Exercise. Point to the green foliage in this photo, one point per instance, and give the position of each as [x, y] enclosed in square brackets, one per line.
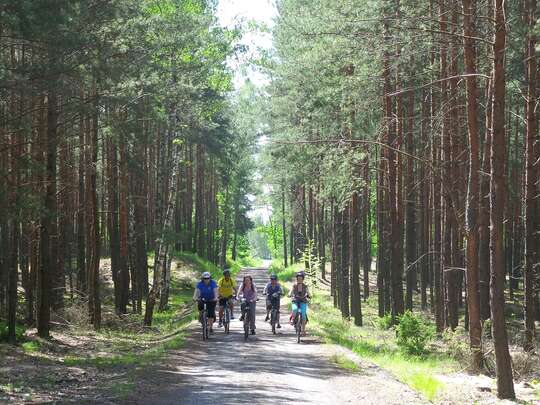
[30, 347]
[285, 273]
[419, 372]
[386, 322]
[457, 346]
[345, 363]
[413, 333]
[311, 262]
[19, 331]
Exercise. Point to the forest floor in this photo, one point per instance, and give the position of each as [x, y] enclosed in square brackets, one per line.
[80, 365]
[168, 363]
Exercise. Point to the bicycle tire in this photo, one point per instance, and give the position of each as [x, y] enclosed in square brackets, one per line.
[273, 320]
[227, 320]
[246, 325]
[204, 323]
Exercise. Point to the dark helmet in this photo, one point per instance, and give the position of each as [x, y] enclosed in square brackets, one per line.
[226, 271]
[273, 277]
[301, 274]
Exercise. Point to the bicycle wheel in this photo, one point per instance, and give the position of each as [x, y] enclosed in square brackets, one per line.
[226, 320]
[204, 323]
[273, 320]
[246, 325]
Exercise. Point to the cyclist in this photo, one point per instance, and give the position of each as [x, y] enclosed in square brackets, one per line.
[269, 290]
[226, 290]
[249, 291]
[300, 295]
[207, 289]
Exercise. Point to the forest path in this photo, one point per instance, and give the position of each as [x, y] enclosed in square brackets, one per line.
[266, 369]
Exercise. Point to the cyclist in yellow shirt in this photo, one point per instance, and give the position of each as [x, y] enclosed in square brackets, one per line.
[226, 290]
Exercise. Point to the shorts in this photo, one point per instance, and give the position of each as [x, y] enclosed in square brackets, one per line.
[303, 308]
[223, 301]
[210, 308]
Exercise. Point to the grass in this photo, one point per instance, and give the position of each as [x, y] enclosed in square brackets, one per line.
[284, 274]
[122, 342]
[379, 347]
[127, 359]
[30, 347]
[345, 363]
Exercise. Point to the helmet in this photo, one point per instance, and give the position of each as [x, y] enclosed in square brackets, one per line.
[273, 277]
[227, 271]
[301, 274]
[206, 275]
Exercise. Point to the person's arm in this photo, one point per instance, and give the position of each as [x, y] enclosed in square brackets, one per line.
[255, 291]
[196, 294]
[291, 293]
[265, 291]
[308, 295]
[240, 289]
[216, 293]
[281, 290]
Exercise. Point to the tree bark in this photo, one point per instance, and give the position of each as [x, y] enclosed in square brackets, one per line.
[505, 384]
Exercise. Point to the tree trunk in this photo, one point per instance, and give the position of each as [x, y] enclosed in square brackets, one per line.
[532, 155]
[505, 384]
[473, 296]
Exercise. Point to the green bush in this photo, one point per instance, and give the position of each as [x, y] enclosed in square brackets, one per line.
[19, 332]
[385, 322]
[413, 334]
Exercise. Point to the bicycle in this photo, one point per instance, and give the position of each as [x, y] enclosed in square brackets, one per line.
[246, 313]
[298, 321]
[274, 301]
[204, 319]
[227, 315]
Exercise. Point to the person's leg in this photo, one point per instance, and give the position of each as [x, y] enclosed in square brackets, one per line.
[211, 315]
[252, 308]
[268, 308]
[278, 313]
[294, 311]
[303, 309]
[221, 306]
[200, 307]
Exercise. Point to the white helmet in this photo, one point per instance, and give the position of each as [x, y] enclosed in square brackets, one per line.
[206, 275]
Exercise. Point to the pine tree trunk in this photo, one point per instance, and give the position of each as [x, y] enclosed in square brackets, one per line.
[473, 295]
[532, 156]
[355, 249]
[505, 384]
[48, 219]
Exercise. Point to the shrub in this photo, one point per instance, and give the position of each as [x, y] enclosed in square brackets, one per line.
[385, 322]
[19, 332]
[457, 345]
[413, 334]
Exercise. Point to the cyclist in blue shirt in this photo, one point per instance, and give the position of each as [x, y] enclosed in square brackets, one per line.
[273, 287]
[207, 290]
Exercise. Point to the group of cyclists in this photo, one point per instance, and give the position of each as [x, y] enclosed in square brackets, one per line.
[224, 292]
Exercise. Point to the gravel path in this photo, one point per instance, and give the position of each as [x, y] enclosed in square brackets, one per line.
[267, 369]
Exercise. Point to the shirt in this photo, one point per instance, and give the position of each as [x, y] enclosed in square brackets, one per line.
[299, 295]
[251, 294]
[207, 291]
[269, 289]
[226, 287]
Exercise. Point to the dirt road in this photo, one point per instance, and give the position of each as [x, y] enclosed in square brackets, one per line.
[268, 369]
